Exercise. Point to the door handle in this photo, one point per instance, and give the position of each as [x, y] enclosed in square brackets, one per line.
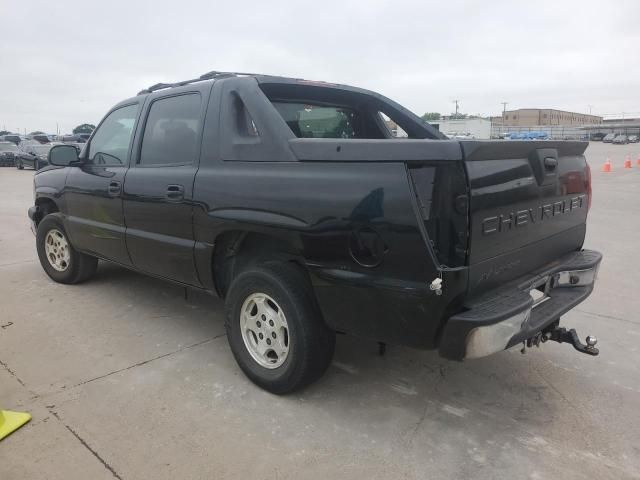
[114, 188]
[175, 192]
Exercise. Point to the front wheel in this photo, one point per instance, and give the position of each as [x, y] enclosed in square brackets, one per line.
[62, 262]
[275, 329]
[19, 165]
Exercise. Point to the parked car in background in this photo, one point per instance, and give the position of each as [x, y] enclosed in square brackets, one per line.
[621, 140]
[40, 137]
[8, 153]
[460, 136]
[11, 137]
[633, 139]
[537, 136]
[33, 154]
[79, 146]
[597, 137]
[609, 138]
[529, 136]
[76, 138]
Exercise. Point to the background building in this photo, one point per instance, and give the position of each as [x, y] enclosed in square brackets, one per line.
[529, 117]
[472, 127]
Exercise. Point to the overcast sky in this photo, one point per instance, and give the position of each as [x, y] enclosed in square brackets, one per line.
[68, 62]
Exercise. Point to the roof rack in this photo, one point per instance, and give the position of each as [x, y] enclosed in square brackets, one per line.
[207, 76]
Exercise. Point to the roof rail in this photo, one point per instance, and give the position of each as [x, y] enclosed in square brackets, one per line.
[216, 74]
[161, 86]
[206, 76]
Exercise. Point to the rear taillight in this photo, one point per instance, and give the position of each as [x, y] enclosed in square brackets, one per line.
[588, 185]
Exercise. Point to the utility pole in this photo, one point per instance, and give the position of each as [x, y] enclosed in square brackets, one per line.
[504, 110]
[456, 102]
[589, 130]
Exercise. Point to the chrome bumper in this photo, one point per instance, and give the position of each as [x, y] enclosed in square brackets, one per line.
[512, 314]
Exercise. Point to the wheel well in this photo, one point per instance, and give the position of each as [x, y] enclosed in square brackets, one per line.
[236, 250]
[45, 207]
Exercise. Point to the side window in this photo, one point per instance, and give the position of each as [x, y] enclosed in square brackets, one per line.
[171, 132]
[110, 144]
[395, 129]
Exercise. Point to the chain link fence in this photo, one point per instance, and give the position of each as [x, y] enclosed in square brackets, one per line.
[560, 132]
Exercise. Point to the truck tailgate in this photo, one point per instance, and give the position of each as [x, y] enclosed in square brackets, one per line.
[528, 206]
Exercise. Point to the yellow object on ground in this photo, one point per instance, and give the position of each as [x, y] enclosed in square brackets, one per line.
[11, 421]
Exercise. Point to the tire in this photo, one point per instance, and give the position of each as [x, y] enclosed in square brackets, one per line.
[309, 342]
[70, 266]
[19, 165]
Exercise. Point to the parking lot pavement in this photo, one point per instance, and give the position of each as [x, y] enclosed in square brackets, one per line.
[128, 379]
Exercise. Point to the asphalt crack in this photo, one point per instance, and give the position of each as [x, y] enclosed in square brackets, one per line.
[12, 373]
[16, 263]
[87, 446]
[609, 317]
[164, 355]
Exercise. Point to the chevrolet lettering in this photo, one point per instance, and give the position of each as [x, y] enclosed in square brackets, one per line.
[520, 218]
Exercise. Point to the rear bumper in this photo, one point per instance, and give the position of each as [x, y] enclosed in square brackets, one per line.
[507, 315]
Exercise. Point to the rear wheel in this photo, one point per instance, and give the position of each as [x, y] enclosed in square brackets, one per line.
[57, 256]
[275, 329]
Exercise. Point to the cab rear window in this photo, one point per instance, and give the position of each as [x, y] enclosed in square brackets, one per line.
[308, 120]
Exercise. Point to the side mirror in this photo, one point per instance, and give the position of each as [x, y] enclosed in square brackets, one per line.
[63, 155]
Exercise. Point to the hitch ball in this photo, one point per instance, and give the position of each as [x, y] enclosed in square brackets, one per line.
[591, 341]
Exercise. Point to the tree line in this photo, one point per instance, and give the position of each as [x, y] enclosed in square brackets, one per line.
[82, 128]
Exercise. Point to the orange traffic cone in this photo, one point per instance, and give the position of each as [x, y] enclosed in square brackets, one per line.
[627, 162]
[607, 166]
[638, 161]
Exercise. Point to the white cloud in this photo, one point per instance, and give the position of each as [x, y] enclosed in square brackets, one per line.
[68, 62]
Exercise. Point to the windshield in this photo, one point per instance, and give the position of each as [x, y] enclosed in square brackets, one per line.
[8, 147]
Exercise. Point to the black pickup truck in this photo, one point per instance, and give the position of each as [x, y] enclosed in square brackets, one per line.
[293, 201]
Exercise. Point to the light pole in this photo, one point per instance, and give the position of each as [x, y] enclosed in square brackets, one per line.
[504, 112]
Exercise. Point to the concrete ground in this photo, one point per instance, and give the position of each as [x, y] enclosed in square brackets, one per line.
[127, 379]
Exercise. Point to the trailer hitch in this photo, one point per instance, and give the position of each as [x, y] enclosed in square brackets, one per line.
[562, 335]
